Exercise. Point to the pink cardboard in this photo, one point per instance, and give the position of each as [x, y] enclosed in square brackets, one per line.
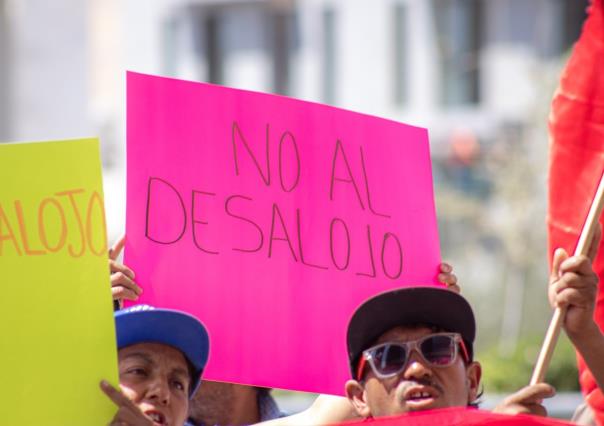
[271, 219]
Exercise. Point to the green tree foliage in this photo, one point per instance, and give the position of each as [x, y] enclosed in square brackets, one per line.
[505, 374]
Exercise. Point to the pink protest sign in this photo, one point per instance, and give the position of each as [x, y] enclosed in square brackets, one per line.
[271, 219]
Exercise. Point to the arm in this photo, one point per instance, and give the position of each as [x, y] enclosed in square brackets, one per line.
[592, 351]
[574, 286]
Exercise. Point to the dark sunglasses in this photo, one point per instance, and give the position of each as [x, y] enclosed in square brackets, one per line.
[389, 359]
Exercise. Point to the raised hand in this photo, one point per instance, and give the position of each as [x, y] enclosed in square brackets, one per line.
[127, 414]
[123, 286]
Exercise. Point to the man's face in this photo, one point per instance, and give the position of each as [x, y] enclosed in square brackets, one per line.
[419, 386]
[156, 378]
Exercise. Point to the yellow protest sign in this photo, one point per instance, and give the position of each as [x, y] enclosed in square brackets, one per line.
[58, 337]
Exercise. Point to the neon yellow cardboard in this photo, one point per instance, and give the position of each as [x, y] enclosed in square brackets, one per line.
[57, 332]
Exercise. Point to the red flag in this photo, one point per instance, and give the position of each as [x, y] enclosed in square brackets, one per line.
[576, 126]
[459, 416]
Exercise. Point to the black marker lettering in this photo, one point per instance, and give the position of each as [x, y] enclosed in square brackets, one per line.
[245, 219]
[299, 226]
[331, 243]
[371, 258]
[400, 256]
[266, 178]
[272, 237]
[194, 222]
[367, 187]
[148, 212]
[297, 162]
[349, 179]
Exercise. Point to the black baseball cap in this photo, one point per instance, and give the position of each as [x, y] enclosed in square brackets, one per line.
[434, 306]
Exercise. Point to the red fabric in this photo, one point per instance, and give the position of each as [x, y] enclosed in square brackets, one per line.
[460, 416]
[576, 126]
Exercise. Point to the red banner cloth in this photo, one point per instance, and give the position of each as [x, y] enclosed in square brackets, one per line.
[457, 417]
[576, 126]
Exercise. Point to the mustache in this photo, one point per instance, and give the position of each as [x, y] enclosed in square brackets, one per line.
[406, 384]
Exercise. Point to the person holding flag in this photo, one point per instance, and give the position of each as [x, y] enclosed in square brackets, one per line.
[411, 349]
[576, 125]
[574, 287]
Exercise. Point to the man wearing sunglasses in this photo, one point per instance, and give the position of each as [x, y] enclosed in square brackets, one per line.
[412, 349]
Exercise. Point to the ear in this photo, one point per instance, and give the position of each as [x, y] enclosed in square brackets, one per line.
[473, 375]
[355, 392]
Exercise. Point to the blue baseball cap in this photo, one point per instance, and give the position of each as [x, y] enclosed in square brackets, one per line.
[146, 324]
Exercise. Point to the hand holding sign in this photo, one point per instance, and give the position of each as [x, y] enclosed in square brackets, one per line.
[448, 278]
[272, 219]
[123, 286]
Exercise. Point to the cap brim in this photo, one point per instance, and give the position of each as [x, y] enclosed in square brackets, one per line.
[434, 306]
[170, 327]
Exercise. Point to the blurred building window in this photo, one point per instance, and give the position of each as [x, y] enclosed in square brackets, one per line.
[243, 44]
[400, 54]
[555, 25]
[284, 40]
[547, 27]
[574, 13]
[329, 54]
[458, 35]
[213, 47]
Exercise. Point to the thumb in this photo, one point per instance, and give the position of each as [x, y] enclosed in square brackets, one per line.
[560, 255]
[117, 248]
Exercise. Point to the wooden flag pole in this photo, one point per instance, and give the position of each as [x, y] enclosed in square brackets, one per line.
[553, 331]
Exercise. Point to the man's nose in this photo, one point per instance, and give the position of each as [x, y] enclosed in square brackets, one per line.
[416, 368]
[159, 391]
